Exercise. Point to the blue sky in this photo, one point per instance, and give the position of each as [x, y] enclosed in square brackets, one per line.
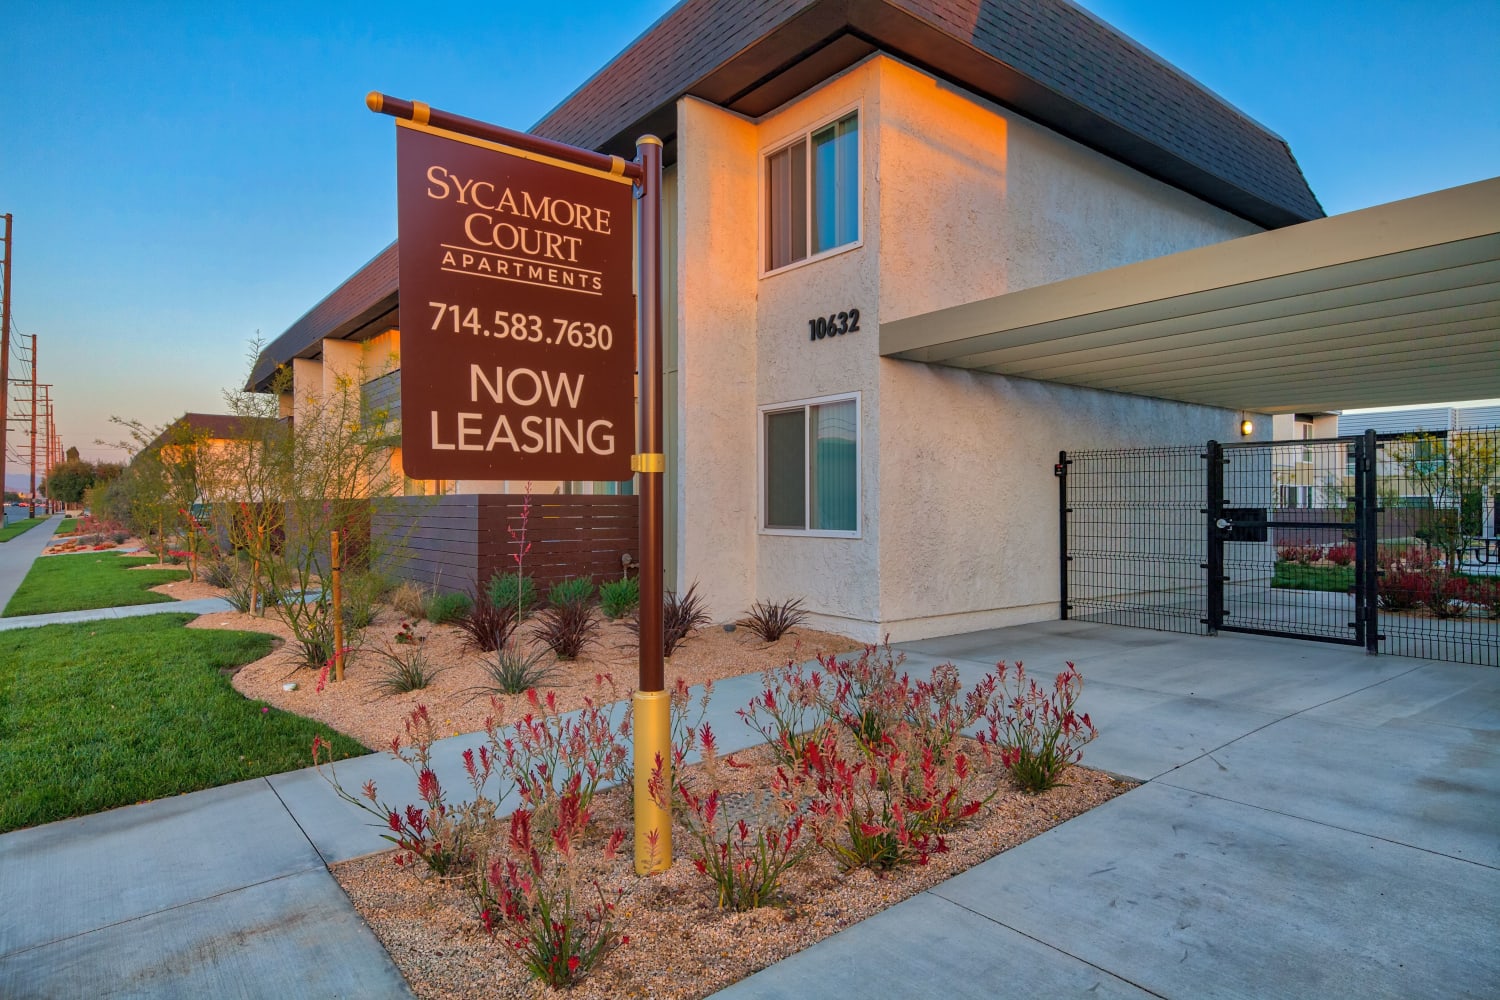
[183, 175]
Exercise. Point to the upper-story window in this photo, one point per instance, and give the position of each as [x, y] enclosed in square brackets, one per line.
[812, 193]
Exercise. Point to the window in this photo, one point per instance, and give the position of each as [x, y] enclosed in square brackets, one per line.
[810, 461]
[812, 194]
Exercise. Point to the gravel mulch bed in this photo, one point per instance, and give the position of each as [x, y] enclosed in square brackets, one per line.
[681, 944]
[358, 708]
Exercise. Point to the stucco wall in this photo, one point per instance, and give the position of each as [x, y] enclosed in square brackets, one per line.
[960, 201]
[838, 578]
[713, 355]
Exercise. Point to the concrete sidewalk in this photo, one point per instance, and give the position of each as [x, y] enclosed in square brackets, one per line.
[17, 555]
[15, 562]
[1314, 821]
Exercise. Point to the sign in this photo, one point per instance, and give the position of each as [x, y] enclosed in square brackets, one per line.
[517, 313]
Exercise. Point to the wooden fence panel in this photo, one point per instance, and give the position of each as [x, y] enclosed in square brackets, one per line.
[453, 543]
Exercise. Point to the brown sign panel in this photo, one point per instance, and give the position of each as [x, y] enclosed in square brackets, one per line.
[517, 313]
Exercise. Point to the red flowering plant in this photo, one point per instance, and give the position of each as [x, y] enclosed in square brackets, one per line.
[789, 711]
[1038, 731]
[550, 754]
[743, 851]
[889, 804]
[447, 838]
[559, 925]
[867, 695]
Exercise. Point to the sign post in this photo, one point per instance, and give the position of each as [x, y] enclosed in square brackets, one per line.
[516, 309]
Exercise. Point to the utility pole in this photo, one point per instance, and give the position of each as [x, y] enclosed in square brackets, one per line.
[47, 442]
[34, 374]
[5, 353]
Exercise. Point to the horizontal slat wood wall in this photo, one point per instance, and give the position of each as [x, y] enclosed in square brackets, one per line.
[453, 542]
[430, 540]
[569, 535]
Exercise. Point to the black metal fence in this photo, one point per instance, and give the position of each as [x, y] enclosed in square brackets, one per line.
[1391, 543]
[1134, 544]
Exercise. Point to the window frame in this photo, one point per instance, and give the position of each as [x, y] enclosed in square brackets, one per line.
[804, 135]
[761, 413]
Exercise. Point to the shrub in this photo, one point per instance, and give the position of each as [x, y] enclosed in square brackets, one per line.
[512, 669]
[553, 755]
[575, 590]
[1038, 732]
[1401, 590]
[486, 626]
[618, 598]
[772, 621]
[1485, 593]
[744, 862]
[536, 903]
[220, 571]
[1443, 594]
[567, 628]
[866, 696]
[890, 804]
[789, 711]
[1302, 555]
[514, 589]
[313, 640]
[404, 669]
[1341, 555]
[119, 537]
[444, 837]
[444, 608]
[360, 592]
[409, 600]
[680, 615]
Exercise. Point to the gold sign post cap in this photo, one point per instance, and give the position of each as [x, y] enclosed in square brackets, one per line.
[375, 101]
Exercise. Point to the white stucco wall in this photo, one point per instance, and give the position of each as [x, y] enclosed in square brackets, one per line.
[960, 201]
[838, 578]
[712, 360]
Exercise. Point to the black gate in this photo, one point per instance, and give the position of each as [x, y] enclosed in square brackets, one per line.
[1258, 579]
[1385, 542]
[1211, 538]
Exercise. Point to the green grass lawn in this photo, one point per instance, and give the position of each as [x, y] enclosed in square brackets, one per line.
[89, 580]
[103, 714]
[68, 524]
[17, 527]
[1294, 576]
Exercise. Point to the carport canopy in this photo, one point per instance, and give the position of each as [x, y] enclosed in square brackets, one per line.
[1385, 306]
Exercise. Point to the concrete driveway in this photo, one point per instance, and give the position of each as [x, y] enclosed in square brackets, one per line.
[1314, 822]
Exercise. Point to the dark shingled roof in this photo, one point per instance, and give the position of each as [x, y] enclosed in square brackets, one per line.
[1046, 59]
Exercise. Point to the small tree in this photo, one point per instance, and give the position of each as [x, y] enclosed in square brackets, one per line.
[69, 481]
[286, 486]
[1455, 475]
[166, 484]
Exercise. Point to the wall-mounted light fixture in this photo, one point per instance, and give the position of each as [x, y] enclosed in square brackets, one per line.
[1247, 426]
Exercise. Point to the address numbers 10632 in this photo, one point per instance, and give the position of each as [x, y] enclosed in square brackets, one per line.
[833, 325]
[523, 327]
